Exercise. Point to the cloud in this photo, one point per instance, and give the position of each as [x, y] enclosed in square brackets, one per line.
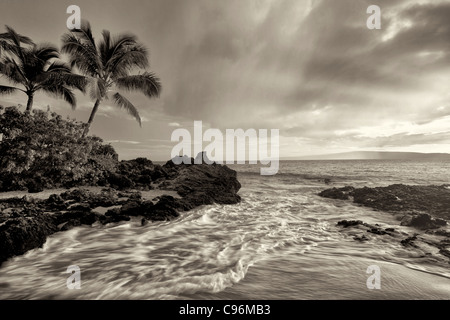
[309, 68]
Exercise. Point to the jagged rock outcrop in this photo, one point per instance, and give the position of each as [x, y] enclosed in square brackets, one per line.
[26, 222]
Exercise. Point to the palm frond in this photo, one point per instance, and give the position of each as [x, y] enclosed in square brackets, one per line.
[121, 64]
[83, 56]
[45, 52]
[8, 90]
[63, 92]
[11, 42]
[17, 39]
[105, 47]
[12, 71]
[123, 103]
[65, 75]
[147, 83]
[85, 33]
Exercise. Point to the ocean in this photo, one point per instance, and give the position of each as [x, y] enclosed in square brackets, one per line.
[280, 242]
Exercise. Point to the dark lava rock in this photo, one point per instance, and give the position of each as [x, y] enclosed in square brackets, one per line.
[338, 193]
[56, 202]
[350, 223]
[423, 221]
[434, 200]
[112, 212]
[28, 231]
[445, 252]
[164, 209]
[442, 233]
[120, 181]
[114, 218]
[83, 217]
[132, 208]
[361, 238]
[25, 223]
[80, 207]
[203, 184]
[377, 231]
[35, 186]
[409, 241]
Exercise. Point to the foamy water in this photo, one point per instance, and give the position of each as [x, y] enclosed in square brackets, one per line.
[281, 242]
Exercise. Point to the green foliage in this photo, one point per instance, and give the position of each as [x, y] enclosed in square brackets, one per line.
[43, 148]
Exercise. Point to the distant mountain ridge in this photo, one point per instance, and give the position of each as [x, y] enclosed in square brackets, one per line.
[376, 155]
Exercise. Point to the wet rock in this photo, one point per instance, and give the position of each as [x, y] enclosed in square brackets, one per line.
[76, 217]
[442, 233]
[445, 252]
[132, 208]
[423, 221]
[409, 241]
[338, 193]
[377, 231]
[350, 223]
[164, 209]
[434, 200]
[361, 238]
[23, 233]
[113, 212]
[202, 183]
[55, 202]
[114, 219]
[25, 223]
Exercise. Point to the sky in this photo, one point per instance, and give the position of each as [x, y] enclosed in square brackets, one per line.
[310, 68]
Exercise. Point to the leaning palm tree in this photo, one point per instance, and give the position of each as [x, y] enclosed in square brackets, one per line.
[37, 68]
[108, 65]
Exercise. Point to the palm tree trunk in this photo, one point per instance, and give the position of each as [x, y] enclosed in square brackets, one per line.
[30, 102]
[91, 118]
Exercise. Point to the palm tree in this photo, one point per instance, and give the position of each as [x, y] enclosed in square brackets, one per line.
[108, 65]
[36, 68]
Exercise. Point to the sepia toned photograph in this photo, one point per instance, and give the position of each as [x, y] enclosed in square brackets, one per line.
[239, 150]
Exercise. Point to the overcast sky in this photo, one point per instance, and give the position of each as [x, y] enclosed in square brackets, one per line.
[310, 68]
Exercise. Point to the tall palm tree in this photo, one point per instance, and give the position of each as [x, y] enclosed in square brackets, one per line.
[108, 65]
[36, 68]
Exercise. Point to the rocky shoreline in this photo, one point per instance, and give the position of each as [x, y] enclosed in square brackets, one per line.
[426, 209]
[26, 222]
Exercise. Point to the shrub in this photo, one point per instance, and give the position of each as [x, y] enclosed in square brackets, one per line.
[42, 149]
